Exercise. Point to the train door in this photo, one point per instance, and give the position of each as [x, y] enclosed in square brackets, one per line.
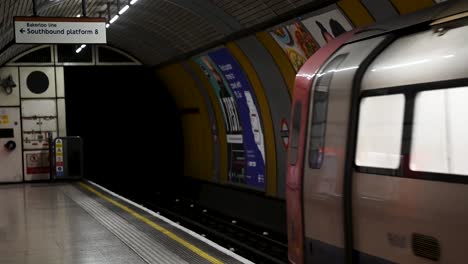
[326, 216]
[411, 172]
[10, 145]
[294, 179]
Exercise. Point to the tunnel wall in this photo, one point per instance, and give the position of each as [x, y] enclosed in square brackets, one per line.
[197, 121]
[270, 64]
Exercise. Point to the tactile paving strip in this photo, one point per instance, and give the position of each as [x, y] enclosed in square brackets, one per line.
[148, 249]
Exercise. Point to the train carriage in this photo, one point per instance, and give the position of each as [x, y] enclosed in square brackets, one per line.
[378, 159]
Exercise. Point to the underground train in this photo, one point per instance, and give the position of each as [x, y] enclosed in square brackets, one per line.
[378, 156]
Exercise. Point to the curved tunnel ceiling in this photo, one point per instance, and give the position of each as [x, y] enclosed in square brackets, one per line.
[154, 31]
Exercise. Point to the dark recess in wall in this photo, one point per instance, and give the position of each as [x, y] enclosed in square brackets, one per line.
[123, 113]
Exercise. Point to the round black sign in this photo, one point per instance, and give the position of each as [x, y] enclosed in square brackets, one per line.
[37, 82]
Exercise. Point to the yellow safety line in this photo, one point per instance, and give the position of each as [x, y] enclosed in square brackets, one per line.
[161, 229]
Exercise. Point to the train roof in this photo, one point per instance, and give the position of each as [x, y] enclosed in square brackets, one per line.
[423, 18]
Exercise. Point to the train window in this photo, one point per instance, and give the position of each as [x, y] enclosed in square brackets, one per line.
[439, 141]
[380, 128]
[319, 112]
[296, 129]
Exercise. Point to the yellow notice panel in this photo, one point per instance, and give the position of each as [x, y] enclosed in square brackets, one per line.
[4, 119]
[409, 6]
[356, 12]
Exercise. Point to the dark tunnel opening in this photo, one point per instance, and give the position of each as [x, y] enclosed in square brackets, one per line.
[122, 113]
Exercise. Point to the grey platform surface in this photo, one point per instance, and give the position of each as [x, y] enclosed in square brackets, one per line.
[42, 223]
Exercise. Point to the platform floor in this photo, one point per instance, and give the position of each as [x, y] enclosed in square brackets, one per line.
[78, 223]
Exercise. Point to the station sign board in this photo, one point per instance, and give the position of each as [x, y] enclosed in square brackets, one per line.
[58, 30]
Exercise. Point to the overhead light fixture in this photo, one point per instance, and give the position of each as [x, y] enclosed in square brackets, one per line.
[78, 50]
[133, 2]
[107, 25]
[125, 8]
[114, 19]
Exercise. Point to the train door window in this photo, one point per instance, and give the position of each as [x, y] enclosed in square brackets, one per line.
[380, 129]
[320, 111]
[440, 129]
[295, 133]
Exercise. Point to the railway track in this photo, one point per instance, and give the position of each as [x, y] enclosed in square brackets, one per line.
[246, 239]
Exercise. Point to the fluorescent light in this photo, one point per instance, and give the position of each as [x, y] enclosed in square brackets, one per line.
[125, 8]
[83, 46]
[107, 25]
[79, 15]
[114, 19]
[133, 2]
[78, 50]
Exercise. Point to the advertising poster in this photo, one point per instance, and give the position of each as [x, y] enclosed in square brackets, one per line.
[246, 149]
[327, 26]
[296, 41]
